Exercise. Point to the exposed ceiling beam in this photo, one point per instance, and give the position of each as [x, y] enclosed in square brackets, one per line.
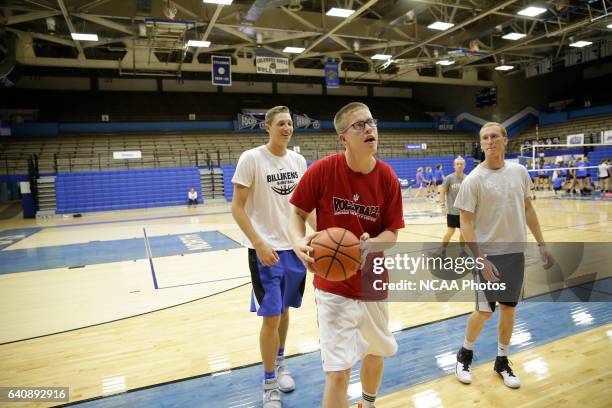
[234, 32]
[46, 37]
[36, 15]
[456, 27]
[125, 40]
[105, 23]
[93, 4]
[185, 10]
[289, 37]
[510, 47]
[209, 28]
[339, 26]
[41, 3]
[70, 25]
[302, 20]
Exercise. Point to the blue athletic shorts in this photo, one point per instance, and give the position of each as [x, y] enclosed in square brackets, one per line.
[276, 287]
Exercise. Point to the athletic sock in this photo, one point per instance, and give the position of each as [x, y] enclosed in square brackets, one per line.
[368, 399]
[503, 349]
[468, 345]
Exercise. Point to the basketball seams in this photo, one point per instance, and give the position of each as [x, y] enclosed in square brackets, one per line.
[332, 246]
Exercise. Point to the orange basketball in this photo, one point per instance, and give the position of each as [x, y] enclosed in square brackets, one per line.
[337, 254]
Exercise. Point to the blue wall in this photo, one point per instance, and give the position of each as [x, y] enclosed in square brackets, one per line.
[124, 189]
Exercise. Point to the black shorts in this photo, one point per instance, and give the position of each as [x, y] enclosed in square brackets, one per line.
[511, 268]
[604, 178]
[439, 183]
[581, 177]
[453, 221]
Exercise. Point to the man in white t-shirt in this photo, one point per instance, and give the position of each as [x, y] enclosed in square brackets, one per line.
[264, 180]
[495, 205]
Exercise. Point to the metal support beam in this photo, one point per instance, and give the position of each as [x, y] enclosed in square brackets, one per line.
[464, 23]
[566, 29]
[70, 25]
[105, 22]
[36, 15]
[91, 5]
[339, 26]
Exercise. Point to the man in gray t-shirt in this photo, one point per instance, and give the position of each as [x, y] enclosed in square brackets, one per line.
[448, 193]
[495, 205]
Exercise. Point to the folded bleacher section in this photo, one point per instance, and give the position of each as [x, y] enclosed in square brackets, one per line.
[125, 189]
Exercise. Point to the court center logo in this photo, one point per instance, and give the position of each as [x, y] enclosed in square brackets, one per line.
[283, 182]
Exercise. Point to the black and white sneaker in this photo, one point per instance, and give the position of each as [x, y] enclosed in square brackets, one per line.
[502, 367]
[463, 369]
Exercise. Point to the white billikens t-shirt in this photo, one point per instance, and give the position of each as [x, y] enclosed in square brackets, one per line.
[272, 180]
[497, 199]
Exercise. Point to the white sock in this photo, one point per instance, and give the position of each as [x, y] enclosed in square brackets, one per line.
[280, 361]
[503, 349]
[469, 345]
[368, 399]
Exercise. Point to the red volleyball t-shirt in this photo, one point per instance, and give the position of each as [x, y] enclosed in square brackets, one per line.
[359, 202]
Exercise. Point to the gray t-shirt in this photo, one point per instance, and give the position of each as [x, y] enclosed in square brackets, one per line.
[451, 185]
[497, 199]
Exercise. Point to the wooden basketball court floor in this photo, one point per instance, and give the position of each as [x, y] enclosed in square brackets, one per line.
[79, 307]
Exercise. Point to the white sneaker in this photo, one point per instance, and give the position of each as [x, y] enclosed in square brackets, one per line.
[271, 394]
[285, 381]
[463, 369]
[502, 367]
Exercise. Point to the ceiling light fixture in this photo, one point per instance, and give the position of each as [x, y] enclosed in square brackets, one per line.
[440, 25]
[531, 11]
[339, 12]
[196, 43]
[294, 50]
[580, 44]
[514, 36]
[381, 57]
[84, 37]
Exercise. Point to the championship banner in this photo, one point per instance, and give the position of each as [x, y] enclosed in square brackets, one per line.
[221, 70]
[305, 122]
[250, 121]
[606, 137]
[332, 76]
[272, 65]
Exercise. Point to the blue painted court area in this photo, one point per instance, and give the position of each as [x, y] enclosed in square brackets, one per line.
[98, 252]
[9, 237]
[425, 353]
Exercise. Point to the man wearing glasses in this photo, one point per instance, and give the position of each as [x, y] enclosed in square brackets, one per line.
[351, 190]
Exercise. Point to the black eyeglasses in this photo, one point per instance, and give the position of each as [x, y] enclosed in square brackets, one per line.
[360, 125]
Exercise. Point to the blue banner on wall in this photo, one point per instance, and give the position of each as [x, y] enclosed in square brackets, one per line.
[221, 70]
[332, 75]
